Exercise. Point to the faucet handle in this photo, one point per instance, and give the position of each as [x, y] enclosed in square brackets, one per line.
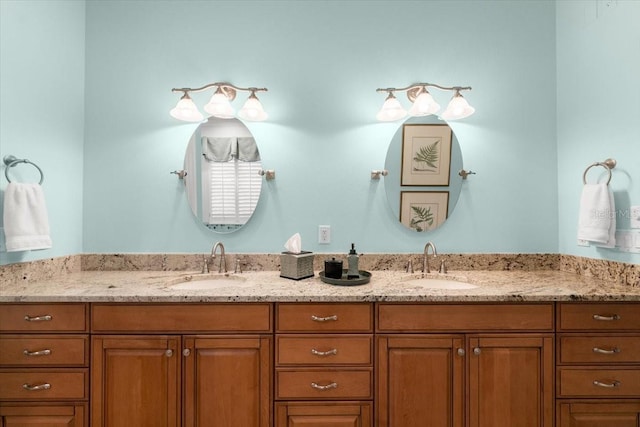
[205, 265]
[238, 268]
[443, 267]
[409, 267]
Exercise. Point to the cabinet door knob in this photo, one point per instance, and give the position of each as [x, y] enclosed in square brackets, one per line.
[168, 352]
[614, 350]
[324, 387]
[606, 317]
[612, 384]
[45, 386]
[186, 352]
[324, 319]
[44, 352]
[331, 352]
[44, 318]
[461, 352]
[477, 351]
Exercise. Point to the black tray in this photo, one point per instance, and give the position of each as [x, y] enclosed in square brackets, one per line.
[362, 279]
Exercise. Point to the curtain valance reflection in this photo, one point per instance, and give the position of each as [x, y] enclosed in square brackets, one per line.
[224, 149]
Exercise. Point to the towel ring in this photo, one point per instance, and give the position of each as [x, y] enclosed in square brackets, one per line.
[12, 161]
[607, 164]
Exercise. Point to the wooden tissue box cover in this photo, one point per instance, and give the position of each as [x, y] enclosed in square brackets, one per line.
[296, 266]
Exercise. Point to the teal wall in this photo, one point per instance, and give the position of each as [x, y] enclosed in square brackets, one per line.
[598, 102]
[42, 65]
[109, 189]
[322, 62]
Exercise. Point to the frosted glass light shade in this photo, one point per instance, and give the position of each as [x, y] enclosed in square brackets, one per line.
[424, 105]
[458, 108]
[391, 110]
[252, 110]
[186, 110]
[219, 106]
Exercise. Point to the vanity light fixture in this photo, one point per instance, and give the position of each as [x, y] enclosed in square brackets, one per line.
[423, 103]
[220, 103]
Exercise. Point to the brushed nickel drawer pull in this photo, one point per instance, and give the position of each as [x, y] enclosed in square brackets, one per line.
[607, 385]
[608, 317]
[324, 319]
[45, 386]
[324, 387]
[45, 352]
[44, 318]
[324, 353]
[614, 350]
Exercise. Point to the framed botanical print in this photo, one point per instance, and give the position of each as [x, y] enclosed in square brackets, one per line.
[426, 155]
[423, 210]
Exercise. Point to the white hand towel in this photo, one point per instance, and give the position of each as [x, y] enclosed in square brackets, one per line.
[26, 225]
[597, 222]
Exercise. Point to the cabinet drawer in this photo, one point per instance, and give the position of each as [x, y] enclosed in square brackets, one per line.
[43, 384]
[324, 317]
[598, 316]
[464, 317]
[44, 350]
[43, 318]
[181, 318]
[587, 382]
[324, 384]
[324, 350]
[599, 349]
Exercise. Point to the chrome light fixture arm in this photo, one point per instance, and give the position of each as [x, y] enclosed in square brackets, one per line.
[415, 89]
[227, 88]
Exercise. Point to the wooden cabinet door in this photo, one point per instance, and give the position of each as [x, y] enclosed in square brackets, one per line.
[420, 381]
[511, 381]
[227, 381]
[615, 414]
[135, 381]
[71, 415]
[323, 414]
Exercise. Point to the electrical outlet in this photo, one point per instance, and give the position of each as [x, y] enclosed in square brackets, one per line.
[324, 234]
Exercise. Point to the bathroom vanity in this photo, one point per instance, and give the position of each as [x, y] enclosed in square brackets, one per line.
[282, 353]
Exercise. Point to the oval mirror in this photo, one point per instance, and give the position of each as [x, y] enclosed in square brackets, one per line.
[423, 184]
[223, 182]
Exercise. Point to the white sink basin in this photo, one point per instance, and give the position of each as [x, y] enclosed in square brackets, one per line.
[438, 283]
[208, 281]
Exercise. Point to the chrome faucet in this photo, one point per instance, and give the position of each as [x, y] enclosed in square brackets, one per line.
[425, 258]
[222, 268]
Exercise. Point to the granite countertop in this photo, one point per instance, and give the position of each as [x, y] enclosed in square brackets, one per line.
[156, 286]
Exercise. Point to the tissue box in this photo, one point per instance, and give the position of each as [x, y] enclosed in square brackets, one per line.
[296, 266]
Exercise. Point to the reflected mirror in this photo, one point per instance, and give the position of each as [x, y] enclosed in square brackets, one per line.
[423, 184]
[223, 182]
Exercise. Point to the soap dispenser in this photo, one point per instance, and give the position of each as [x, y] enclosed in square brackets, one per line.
[352, 260]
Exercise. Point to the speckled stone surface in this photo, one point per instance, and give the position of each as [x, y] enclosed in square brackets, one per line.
[159, 286]
[271, 262]
[622, 273]
[150, 277]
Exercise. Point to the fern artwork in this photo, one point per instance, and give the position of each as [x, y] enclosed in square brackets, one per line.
[426, 155]
[426, 158]
[423, 210]
[421, 218]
